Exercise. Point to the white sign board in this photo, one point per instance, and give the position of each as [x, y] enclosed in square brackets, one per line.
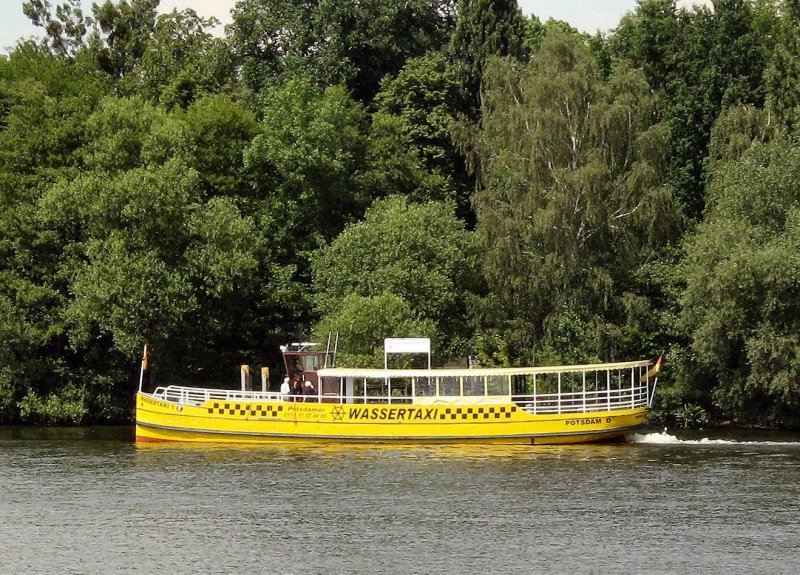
[407, 345]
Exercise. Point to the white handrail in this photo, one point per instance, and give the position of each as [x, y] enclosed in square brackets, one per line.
[542, 403]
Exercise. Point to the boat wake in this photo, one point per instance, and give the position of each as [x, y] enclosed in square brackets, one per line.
[665, 438]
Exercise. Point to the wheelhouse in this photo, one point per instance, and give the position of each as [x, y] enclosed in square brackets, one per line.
[302, 360]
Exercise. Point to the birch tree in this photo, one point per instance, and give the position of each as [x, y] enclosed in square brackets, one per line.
[572, 200]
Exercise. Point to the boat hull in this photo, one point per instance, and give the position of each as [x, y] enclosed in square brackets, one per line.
[232, 421]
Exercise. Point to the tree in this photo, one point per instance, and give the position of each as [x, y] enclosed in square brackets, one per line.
[377, 37]
[784, 70]
[45, 101]
[532, 36]
[425, 95]
[419, 253]
[218, 131]
[741, 301]
[303, 164]
[354, 43]
[155, 263]
[395, 166]
[484, 28]
[411, 151]
[703, 61]
[118, 135]
[182, 61]
[64, 30]
[649, 37]
[361, 323]
[124, 31]
[572, 200]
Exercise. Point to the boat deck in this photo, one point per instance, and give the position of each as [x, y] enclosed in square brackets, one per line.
[564, 389]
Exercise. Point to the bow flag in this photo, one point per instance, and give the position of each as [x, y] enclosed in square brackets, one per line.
[653, 370]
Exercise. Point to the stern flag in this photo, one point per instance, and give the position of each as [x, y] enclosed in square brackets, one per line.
[653, 370]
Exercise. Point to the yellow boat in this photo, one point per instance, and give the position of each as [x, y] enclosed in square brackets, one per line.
[531, 405]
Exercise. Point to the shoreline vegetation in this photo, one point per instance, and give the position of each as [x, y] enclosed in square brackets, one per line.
[518, 191]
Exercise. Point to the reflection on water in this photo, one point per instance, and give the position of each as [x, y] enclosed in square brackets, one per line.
[90, 501]
[355, 451]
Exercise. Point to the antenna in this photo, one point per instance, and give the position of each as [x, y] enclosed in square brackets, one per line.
[335, 348]
[327, 349]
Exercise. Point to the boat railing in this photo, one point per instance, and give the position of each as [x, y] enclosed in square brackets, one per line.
[198, 396]
[576, 389]
[584, 401]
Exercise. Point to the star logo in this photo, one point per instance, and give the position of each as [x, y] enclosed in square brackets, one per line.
[338, 413]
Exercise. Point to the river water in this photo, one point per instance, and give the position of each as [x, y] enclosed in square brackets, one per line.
[90, 501]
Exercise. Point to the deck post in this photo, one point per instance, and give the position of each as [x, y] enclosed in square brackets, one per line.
[633, 400]
[534, 394]
[245, 377]
[559, 392]
[583, 374]
[608, 388]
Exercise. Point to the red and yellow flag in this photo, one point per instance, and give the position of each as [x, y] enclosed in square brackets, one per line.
[651, 373]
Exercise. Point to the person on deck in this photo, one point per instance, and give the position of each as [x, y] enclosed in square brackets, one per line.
[309, 390]
[297, 389]
[286, 389]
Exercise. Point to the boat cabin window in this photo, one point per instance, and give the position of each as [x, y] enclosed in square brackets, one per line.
[449, 386]
[304, 362]
[496, 385]
[473, 385]
[424, 386]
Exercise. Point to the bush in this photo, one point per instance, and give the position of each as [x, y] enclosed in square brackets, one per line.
[691, 415]
[68, 406]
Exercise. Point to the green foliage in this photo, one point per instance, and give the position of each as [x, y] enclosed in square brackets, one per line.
[182, 61]
[572, 199]
[703, 61]
[491, 350]
[123, 134]
[217, 132]
[783, 91]
[123, 32]
[68, 405]
[362, 323]
[411, 150]
[740, 303]
[735, 131]
[484, 29]
[46, 101]
[532, 35]
[64, 30]
[394, 164]
[155, 257]
[350, 42]
[161, 184]
[691, 416]
[418, 252]
[305, 160]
